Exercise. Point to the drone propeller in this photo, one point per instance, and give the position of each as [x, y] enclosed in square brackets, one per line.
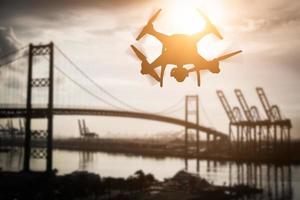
[153, 74]
[146, 28]
[218, 59]
[138, 53]
[133, 54]
[151, 20]
[227, 55]
[211, 25]
[151, 80]
[148, 70]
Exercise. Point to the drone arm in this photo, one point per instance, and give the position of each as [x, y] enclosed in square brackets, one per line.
[162, 72]
[198, 36]
[159, 61]
[160, 36]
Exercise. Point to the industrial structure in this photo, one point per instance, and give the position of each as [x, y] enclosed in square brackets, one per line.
[9, 130]
[252, 135]
[84, 130]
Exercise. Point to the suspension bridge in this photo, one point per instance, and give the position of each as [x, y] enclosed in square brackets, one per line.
[32, 84]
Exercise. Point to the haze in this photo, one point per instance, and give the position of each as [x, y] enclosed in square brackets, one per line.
[97, 36]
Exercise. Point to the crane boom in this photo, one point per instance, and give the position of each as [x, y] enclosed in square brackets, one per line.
[244, 104]
[226, 106]
[265, 102]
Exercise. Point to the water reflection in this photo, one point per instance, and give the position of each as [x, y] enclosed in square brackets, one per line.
[85, 158]
[276, 181]
[11, 160]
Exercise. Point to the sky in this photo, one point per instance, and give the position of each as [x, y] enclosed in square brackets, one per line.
[97, 34]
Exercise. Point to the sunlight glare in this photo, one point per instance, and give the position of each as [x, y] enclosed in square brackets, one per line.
[182, 17]
[185, 18]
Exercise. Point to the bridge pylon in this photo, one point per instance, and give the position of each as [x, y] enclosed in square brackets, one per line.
[191, 109]
[33, 82]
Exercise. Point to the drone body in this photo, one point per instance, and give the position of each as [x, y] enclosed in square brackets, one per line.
[179, 50]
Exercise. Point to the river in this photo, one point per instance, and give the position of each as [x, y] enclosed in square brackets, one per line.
[278, 182]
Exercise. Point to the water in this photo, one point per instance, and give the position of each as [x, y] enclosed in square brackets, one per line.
[278, 182]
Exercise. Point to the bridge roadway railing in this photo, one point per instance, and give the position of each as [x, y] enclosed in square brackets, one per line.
[19, 112]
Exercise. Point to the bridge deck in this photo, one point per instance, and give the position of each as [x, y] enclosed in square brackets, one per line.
[42, 112]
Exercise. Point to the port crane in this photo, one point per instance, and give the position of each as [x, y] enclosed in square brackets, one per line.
[266, 130]
[84, 131]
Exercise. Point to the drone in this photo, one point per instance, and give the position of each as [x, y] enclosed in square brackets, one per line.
[179, 50]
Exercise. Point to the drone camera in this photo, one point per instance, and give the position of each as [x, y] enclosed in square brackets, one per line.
[179, 74]
[214, 66]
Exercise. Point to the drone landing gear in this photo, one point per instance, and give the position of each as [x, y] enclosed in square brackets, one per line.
[162, 72]
[198, 78]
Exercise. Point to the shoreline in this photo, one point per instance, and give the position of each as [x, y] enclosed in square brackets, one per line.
[152, 149]
[139, 186]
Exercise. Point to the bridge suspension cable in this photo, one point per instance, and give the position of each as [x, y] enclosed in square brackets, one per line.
[94, 82]
[169, 110]
[206, 115]
[173, 108]
[85, 89]
[105, 91]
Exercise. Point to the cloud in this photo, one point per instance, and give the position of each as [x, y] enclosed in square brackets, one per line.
[9, 46]
[8, 41]
[48, 18]
[12, 74]
[54, 9]
[267, 15]
[109, 31]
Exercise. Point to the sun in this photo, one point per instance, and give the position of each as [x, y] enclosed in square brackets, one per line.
[182, 17]
[185, 18]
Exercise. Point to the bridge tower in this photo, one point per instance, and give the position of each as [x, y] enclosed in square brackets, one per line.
[33, 82]
[191, 109]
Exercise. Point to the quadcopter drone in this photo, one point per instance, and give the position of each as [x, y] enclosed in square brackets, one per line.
[179, 50]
